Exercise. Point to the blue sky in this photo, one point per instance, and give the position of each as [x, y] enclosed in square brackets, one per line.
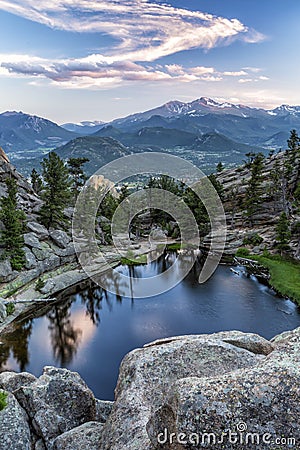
[73, 60]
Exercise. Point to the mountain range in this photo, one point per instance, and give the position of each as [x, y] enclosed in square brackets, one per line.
[19, 132]
[251, 126]
[203, 126]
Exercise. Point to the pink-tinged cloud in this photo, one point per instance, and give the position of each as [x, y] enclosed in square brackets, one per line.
[145, 30]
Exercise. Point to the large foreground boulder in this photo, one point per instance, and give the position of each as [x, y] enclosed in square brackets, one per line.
[229, 390]
[11, 381]
[85, 436]
[149, 375]
[224, 391]
[14, 427]
[56, 402]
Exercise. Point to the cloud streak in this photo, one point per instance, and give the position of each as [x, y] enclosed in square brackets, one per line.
[143, 32]
[96, 72]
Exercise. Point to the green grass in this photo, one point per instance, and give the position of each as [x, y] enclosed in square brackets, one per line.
[285, 275]
[177, 246]
[131, 260]
[3, 400]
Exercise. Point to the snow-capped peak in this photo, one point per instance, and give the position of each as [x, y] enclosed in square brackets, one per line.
[11, 113]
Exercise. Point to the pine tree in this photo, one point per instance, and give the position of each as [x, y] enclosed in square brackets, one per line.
[283, 233]
[124, 193]
[216, 184]
[220, 167]
[233, 196]
[294, 145]
[250, 158]
[36, 181]
[56, 193]
[296, 233]
[108, 206]
[254, 189]
[13, 220]
[77, 174]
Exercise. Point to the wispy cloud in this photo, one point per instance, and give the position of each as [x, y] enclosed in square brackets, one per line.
[239, 73]
[96, 72]
[85, 72]
[145, 31]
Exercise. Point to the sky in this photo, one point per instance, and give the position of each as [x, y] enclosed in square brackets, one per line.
[75, 60]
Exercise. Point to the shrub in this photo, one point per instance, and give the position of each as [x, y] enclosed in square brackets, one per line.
[3, 400]
[243, 252]
[266, 253]
[39, 284]
[10, 308]
[252, 239]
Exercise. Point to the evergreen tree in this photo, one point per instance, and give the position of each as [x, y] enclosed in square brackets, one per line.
[283, 233]
[271, 153]
[13, 220]
[250, 158]
[77, 174]
[108, 206]
[296, 233]
[36, 181]
[216, 184]
[124, 193]
[198, 209]
[56, 194]
[254, 189]
[235, 200]
[297, 193]
[220, 167]
[294, 145]
[276, 186]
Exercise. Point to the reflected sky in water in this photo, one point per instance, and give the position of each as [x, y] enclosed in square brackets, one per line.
[91, 331]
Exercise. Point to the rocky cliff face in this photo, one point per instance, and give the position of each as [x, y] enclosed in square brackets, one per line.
[27, 198]
[44, 250]
[265, 219]
[226, 390]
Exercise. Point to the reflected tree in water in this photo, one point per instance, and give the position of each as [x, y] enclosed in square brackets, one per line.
[65, 339]
[4, 355]
[92, 298]
[17, 343]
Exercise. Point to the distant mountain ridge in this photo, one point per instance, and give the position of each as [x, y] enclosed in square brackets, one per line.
[85, 127]
[245, 124]
[205, 105]
[20, 131]
[172, 137]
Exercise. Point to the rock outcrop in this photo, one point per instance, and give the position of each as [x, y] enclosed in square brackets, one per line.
[226, 390]
[57, 404]
[234, 182]
[149, 375]
[44, 250]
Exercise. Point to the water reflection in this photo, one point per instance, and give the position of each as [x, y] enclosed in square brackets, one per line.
[157, 277]
[16, 344]
[65, 338]
[90, 329]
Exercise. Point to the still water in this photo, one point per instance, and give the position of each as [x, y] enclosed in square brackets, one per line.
[91, 330]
